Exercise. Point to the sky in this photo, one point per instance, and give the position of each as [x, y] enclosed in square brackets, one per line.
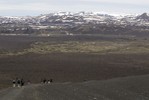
[37, 7]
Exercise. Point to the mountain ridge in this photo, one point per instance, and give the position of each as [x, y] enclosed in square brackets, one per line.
[64, 22]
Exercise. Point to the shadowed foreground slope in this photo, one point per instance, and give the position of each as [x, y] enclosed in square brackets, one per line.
[130, 88]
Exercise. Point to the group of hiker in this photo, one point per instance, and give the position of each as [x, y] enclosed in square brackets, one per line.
[20, 82]
[45, 81]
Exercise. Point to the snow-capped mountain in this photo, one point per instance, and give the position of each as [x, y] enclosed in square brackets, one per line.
[67, 20]
[82, 17]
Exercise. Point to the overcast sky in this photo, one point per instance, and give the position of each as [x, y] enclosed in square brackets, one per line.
[37, 7]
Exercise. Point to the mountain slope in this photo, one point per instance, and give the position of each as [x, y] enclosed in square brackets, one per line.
[130, 88]
[144, 17]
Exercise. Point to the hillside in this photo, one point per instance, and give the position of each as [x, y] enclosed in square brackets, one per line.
[129, 88]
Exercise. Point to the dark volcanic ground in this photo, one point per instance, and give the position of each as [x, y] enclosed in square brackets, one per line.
[72, 67]
[65, 67]
[129, 88]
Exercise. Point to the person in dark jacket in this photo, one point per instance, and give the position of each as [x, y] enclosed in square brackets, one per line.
[44, 81]
[14, 83]
[19, 82]
[22, 82]
[51, 80]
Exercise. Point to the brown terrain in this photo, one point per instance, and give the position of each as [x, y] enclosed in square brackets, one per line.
[77, 67]
[66, 66]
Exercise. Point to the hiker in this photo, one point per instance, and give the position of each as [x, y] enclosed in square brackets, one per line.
[19, 82]
[14, 83]
[44, 81]
[48, 82]
[22, 82]
[51, 80]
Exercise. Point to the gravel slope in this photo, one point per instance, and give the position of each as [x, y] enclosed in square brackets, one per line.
[129, 88]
